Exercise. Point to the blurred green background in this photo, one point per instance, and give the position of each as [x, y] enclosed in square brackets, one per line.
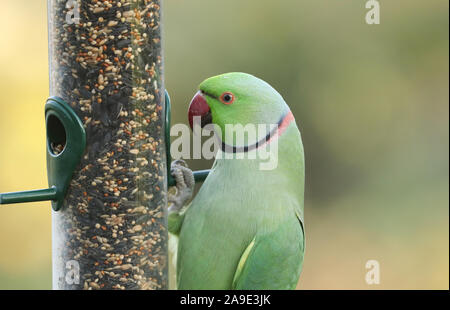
[371, 102]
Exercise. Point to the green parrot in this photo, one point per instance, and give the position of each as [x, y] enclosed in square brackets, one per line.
[244, 228]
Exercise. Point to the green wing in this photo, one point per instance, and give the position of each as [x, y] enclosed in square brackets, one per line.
[272, 260]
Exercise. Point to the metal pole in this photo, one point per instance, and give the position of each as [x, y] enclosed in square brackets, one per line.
[106, 63]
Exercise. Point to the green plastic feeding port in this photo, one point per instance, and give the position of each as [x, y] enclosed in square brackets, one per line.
[66, 141]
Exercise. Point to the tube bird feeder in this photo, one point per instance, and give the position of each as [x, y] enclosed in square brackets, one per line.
[106, 155]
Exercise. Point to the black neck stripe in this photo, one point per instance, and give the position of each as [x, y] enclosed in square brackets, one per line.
[246, 148]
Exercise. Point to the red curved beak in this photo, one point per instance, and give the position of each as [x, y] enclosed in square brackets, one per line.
[199, 107]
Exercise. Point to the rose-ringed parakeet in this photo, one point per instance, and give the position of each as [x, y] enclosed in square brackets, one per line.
[244, 228]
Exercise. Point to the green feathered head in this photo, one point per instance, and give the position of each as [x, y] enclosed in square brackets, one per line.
[236, 98]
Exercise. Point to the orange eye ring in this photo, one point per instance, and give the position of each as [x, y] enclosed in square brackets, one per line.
[227, 98]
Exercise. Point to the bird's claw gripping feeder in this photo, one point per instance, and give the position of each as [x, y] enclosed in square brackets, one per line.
[107, 134]
[66, 142]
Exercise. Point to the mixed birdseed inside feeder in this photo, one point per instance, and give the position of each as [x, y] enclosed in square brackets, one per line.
[56, 148]
[108, 67]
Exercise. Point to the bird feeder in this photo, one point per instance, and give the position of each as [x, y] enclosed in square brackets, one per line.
[106, 155]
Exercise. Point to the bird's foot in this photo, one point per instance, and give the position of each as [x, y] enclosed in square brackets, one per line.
[184, 187]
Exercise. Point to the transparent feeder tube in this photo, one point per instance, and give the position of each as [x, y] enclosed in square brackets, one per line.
[105, 61]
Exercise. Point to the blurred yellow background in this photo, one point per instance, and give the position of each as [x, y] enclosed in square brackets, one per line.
[371, 101]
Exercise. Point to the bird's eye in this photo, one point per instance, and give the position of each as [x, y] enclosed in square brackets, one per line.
[227, 98]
